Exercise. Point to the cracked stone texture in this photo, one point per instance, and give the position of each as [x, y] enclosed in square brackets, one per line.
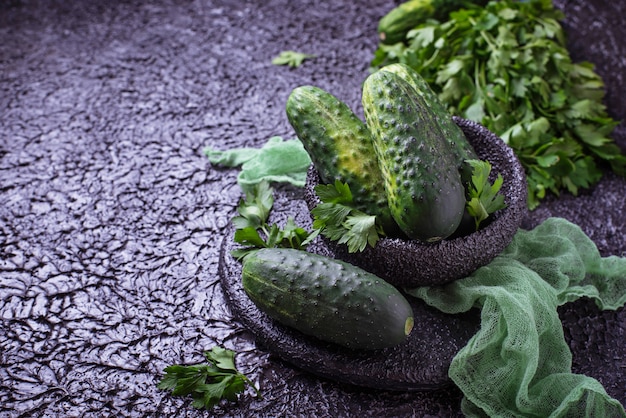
[111, 218]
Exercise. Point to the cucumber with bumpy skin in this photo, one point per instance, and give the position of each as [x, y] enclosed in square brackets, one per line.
[326, 298]
[459, 145]
[424, 189]
[340, 147]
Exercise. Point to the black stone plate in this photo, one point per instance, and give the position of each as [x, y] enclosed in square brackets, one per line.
[421, 363]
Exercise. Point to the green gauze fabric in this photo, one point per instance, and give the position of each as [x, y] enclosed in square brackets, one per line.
[519, 364]
[276, 161]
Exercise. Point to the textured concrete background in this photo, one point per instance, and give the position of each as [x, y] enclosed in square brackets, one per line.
[111, 218]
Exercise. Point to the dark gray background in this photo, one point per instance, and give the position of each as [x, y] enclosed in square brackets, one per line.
[111, 217]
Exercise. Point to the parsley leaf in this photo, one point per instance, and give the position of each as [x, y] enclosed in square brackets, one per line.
[207, 383]
[253, 231]
[361, 231]
[291, 58]
[483, 198]
[255, 209]
[337, 218]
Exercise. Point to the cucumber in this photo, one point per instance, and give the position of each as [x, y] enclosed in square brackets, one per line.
[424, 189]
[326, 298]
[394, 26]
[459, 144]
[340, 147]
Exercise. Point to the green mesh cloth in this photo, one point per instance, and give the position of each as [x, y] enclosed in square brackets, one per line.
[276, 161]
[518, 364]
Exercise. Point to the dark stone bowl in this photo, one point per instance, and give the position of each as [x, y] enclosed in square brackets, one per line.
[410, 263]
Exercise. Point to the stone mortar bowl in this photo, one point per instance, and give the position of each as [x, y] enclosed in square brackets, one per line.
[411, 263]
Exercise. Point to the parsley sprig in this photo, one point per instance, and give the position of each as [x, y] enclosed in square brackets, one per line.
[506, 66]
[210, 382]
[338, 219]
[293, 59]
[483, 197]
[253, 230]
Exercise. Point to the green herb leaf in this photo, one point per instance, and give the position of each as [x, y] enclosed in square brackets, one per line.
[329, 214]
[222, 358]
[334, 193]
[291, 58]
[361, 231]
[483, 197]
[255, 209]
[294, 236]
[339, 220]
[207, 383]
[249, 236]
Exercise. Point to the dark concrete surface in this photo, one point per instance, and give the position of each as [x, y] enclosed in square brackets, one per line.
[111, 218]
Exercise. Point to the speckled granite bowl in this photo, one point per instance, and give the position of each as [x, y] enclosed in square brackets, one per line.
[412, 263]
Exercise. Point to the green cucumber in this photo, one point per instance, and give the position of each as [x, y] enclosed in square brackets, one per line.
[459, 144]
[340, 147]
[393, 27]
[424, 189]
[396, 24]
[326, 298]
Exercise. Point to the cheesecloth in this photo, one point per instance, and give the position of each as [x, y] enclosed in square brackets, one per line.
[519, 364]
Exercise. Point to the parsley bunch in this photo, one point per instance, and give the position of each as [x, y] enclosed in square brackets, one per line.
[506, 66]
[207, 383]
